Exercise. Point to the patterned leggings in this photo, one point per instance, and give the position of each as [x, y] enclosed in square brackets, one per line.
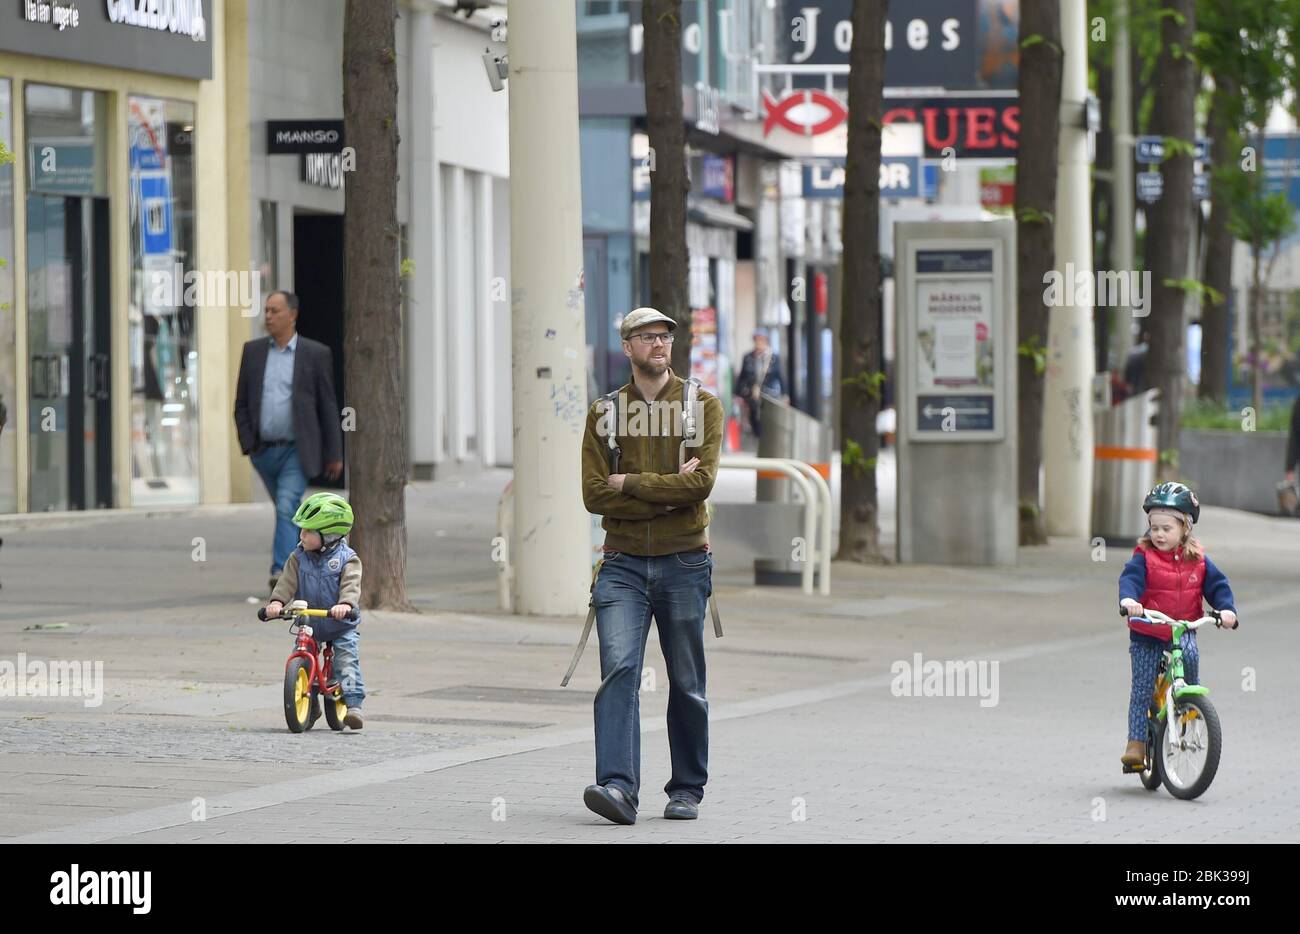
[1145, 653]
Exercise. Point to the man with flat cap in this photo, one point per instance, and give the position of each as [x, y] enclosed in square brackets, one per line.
[650, 486]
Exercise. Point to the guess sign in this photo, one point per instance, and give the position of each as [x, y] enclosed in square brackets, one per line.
[974, 127]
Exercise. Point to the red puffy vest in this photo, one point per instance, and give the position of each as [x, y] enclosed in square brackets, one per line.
[1174, 587]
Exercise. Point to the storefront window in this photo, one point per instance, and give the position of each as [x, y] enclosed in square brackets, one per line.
[166, 291]
[609, 43]
[10, 419]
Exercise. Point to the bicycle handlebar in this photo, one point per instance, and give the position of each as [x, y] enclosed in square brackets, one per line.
[289, 613]
[1155, 616]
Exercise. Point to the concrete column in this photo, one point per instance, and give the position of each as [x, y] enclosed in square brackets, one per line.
[239, 218]
[1067, 389]
[423, 374]
[459, 259]
[213, 197]
[485, 331]
[550, 545]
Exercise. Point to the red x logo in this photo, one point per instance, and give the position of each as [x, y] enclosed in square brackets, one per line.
[809, 100]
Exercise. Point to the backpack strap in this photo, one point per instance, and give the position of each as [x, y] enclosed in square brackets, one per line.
[610, 399]
[690, 428]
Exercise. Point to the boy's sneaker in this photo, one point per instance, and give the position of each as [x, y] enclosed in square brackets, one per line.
[315, 712]
[354, 719]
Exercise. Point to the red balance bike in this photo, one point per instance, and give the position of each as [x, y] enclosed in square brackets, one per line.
[309, 672]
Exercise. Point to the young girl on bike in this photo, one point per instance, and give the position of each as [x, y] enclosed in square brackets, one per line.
[325, 571]
[1168, 572]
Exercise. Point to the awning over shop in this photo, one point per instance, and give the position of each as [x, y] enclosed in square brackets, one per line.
[718, 215]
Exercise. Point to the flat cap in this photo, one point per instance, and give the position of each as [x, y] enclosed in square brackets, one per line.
[640, 317]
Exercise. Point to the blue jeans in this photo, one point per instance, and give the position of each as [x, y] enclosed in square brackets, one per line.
[674, 589]
[1145, 652]
[285, 482]
[347, 667]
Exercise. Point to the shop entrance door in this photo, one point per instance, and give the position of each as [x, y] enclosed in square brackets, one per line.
[69, 387]
[318, 280]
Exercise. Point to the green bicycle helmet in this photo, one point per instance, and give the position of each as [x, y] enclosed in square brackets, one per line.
[1173, 495]
[327, 513]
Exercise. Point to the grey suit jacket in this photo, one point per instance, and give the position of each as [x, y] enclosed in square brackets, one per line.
[316, 423]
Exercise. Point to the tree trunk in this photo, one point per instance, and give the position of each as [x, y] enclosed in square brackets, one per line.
[1169, 226]
[860, 337]
[1218, 249]
[1036, 170]
[1103, 210]
[372, 302]
[662, 58]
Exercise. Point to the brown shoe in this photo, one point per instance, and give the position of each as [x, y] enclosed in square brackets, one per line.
[1135, 753]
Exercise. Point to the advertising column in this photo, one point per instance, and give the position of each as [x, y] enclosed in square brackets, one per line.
[956, 390]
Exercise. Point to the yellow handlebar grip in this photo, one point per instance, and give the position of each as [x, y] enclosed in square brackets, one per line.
[313, 612]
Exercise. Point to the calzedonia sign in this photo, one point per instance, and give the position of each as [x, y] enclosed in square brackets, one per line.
[167, 37]
[181, 17]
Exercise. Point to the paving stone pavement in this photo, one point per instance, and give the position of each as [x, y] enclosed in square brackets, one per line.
[469, 738]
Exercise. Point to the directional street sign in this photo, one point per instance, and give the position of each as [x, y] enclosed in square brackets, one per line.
[1150, 150]
[1149, 186]
[955, 413]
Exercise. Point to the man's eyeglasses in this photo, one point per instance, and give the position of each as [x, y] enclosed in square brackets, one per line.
[649, 339]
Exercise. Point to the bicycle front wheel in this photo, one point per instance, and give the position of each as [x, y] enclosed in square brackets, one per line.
[298, 696]
[1188, 746]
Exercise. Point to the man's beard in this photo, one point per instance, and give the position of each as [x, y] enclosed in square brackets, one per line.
[653, 368]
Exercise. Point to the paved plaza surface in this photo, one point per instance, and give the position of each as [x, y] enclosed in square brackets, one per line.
[469, 737]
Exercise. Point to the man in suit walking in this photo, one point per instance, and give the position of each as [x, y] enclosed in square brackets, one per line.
[287, 416]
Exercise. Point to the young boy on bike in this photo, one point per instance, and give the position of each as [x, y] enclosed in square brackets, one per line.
[1169, 572]
[326, 572]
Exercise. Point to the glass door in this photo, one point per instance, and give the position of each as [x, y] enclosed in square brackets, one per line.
[69, 391]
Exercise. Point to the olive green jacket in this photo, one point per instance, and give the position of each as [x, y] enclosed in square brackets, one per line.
[660, 511]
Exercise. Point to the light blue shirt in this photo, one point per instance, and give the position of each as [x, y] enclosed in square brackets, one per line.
[276, 422]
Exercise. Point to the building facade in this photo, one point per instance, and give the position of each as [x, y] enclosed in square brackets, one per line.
[119, 275]
[761, 255]
[453, 208]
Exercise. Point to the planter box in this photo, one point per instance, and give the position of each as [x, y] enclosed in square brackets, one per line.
[1236, 469]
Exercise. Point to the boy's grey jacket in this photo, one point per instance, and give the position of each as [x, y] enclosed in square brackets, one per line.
[322, 578]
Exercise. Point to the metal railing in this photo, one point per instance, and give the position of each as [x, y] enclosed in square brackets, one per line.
[812, 486]
[816, 494]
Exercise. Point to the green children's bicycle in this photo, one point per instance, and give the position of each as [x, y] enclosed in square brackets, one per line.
[1183, 748]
